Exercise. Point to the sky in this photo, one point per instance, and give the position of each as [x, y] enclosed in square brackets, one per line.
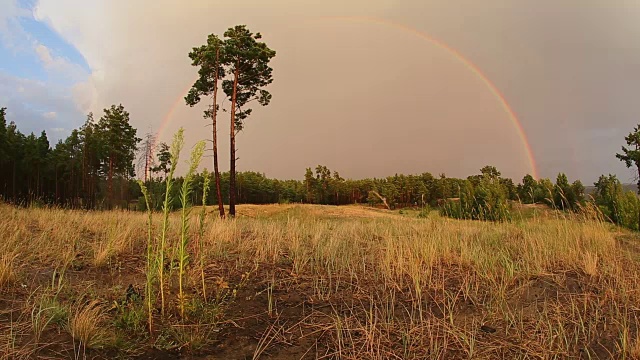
[367, 88]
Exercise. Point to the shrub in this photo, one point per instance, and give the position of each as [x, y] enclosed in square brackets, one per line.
[424, 212]
[618, 206]
[488, 202]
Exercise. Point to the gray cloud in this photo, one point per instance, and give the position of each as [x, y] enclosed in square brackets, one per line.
[37, 106]
[371, 100]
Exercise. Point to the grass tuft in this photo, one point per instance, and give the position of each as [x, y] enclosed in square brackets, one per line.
[87, 325]
[7, 270]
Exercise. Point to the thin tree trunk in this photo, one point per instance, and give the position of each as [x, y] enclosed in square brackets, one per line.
[110, 185]
[84, 173]
[57, 193]
[638, 167]
[37, 182]
[13, 183]
[147, 155]
[384, 200]
[638, 193]
[123, 193]
[232, 162]
[214, 124]
[94, 189]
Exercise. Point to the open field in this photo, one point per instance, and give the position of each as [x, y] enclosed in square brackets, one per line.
[307, 282]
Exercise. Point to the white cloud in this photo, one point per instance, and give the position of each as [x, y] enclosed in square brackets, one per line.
[37, 104]
[44, 54]
[60, 68]
[85, 96]
[50, 115]
[11, 33]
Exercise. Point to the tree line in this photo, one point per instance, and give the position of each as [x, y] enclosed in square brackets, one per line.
[323, 186]
[94, 168]
[91, 168]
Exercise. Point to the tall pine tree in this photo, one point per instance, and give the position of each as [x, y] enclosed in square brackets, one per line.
[247, 60]
[118, 145]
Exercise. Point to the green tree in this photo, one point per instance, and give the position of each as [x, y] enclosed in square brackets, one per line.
[15, 151]
[562, 193]
[323, 179]
[544, 191]
[119, 143]
[247, 60]
[85, 146]
[631, 155]
[4, 153]
[42, 147]
[509, 188]
[30, 164]
[390, 192]
[620, 207]
[208, 58]
[3, 135]
[526, 192]
[577, 190]
[164, 160]
[490, 172]
[310, 185]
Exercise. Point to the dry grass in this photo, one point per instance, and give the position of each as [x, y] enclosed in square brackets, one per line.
[7, 271]
[355, 283]
[116, 240]
[87, 325]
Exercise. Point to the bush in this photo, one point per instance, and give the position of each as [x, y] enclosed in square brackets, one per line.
[618, 206]
[142, 204]
[487, 202]
[424, 213]
[626, 210]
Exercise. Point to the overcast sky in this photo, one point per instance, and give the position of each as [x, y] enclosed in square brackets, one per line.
[361, 97]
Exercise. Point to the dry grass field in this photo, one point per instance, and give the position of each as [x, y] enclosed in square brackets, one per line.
[318, 282]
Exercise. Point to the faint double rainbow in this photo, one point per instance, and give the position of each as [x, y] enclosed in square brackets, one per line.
[466, 62]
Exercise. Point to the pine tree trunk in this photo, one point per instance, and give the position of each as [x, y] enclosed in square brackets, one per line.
[57, 193]
[94, 187]
[37, 182]
[84, 174]
[639, 194]
[216, 171]
[110, 185]
[13, 183]
[232, 167]
[122, 193]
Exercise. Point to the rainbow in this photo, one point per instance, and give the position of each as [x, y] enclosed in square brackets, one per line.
[169, 116]
[471, 66]
[466, 62]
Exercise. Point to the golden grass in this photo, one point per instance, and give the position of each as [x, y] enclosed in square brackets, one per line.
[634, 352]
[116, 240]
[87, 325]
[397, 286]
[7, 271]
